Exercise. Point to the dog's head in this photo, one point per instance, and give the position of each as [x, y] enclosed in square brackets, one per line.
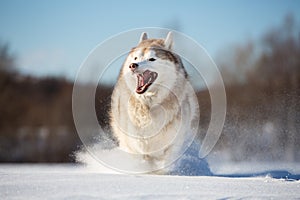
[152, 66]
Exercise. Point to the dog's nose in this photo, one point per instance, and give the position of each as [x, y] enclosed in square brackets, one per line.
[133, 66]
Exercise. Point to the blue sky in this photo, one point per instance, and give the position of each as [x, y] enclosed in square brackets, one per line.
[54, 37]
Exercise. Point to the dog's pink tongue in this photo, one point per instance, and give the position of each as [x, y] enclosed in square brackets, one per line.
[146, 76]
[140, 83]
[145, 80]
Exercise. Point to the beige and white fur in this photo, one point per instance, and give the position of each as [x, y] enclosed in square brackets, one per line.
[156, 123]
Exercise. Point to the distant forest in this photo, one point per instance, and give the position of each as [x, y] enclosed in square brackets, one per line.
[263, 93]
[262, 82]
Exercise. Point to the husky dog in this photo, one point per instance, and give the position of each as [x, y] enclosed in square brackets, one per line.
[153, 106]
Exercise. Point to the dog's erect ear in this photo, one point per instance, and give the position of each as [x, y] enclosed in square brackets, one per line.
[143, 36]
[169, 40]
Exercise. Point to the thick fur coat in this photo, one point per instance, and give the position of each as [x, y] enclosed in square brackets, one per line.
[153, 108]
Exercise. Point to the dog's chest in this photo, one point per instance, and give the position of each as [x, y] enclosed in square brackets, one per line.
[139, 113]
[147, 117]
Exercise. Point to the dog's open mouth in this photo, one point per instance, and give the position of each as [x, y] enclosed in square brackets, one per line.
[144, 80]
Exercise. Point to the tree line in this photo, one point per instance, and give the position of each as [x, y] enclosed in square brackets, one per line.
[262, 82]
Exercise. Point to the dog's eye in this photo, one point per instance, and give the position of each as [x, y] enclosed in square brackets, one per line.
[151, 59]
[135, 58]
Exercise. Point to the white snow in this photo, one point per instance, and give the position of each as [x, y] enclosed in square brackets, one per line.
[67, 181]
